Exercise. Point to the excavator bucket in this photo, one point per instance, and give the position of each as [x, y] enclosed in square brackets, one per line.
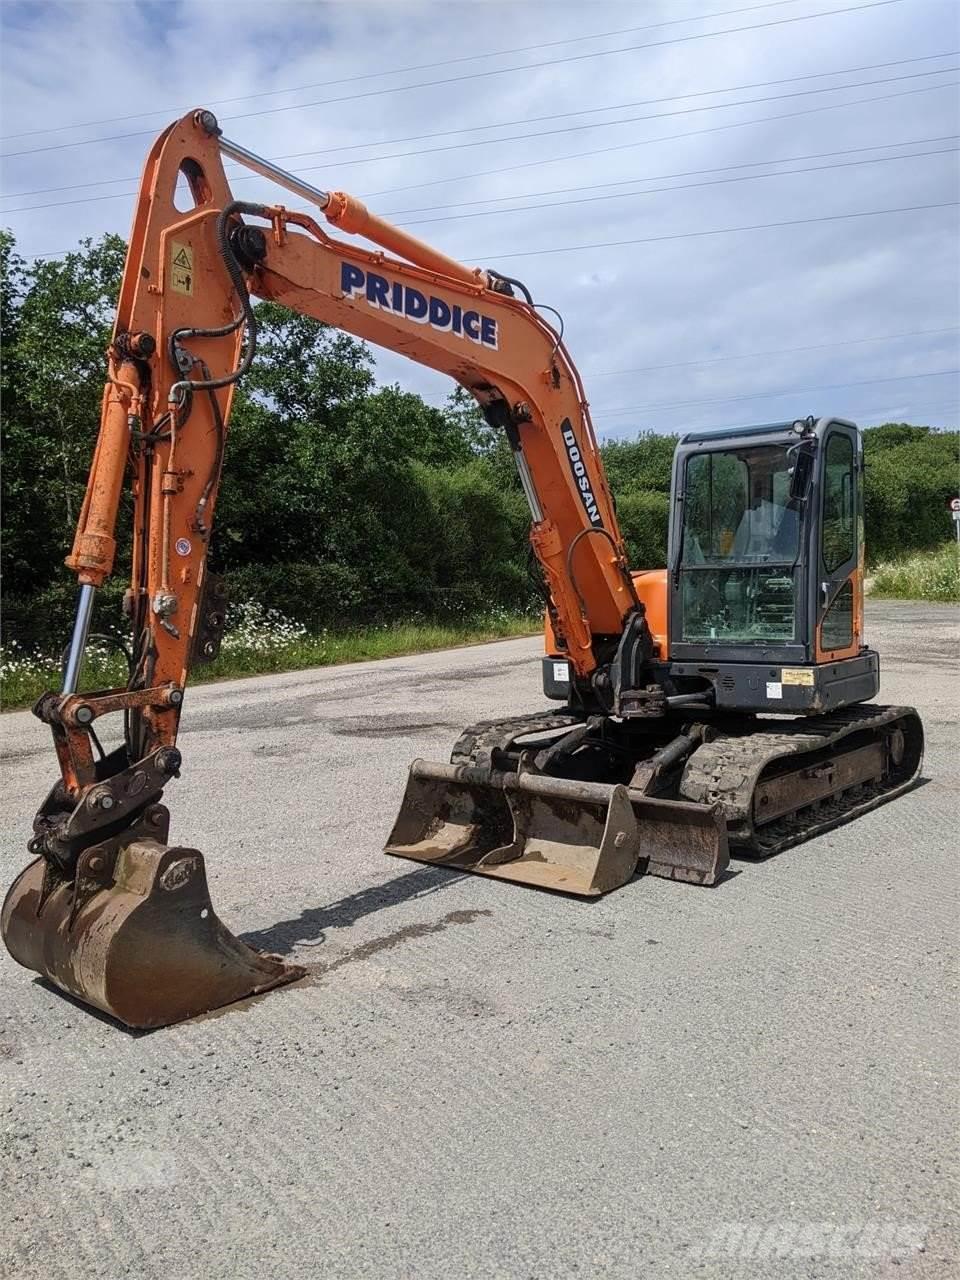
[584, 838]
[135, 935]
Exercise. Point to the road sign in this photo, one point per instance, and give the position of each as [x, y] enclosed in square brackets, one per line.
[955, 507]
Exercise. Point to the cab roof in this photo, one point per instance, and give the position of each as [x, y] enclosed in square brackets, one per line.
[719, 433]
[819, 425]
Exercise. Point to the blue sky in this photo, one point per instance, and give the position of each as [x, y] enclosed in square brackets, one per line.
[649, 123]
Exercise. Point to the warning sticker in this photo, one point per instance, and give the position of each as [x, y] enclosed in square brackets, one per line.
[774, 688]
[181, 267]
[796, 675]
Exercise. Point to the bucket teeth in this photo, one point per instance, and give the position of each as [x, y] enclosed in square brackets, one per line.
[584, 838]
[146, 947]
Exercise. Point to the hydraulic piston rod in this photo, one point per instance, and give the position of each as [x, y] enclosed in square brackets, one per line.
[266, 169]
[78, 641]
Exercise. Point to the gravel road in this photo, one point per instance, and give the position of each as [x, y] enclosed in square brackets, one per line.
[479, 1080]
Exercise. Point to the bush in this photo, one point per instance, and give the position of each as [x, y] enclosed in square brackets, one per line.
[644, 519]
[44, 621]
[911, 472]
[926, 576]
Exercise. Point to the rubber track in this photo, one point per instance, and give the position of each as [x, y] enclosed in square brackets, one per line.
[727, 770]
[478, 742]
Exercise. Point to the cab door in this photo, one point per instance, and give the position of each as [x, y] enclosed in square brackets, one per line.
[839, 583]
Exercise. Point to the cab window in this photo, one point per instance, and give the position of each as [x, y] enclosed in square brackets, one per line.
[839, 526]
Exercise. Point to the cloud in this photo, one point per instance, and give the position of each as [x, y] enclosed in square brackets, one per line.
[825, 284]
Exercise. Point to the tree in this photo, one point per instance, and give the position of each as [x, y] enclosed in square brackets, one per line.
[57, 318]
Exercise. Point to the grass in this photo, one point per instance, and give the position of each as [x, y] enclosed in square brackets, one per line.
[925, 575]
[261, 640]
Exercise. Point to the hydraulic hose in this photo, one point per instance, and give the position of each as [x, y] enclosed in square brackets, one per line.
[235, 273]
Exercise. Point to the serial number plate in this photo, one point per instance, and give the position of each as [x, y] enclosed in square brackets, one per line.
[796, 675]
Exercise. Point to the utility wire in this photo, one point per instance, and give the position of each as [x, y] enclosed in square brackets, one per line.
[494, 256]
[772, 395]
[478, 75]
[607, 435]
[647, 142]
[58, 252]
[397, 71]
[683, 186]
[506, 124]
[684, 173]
[779, 351]
[540, 133]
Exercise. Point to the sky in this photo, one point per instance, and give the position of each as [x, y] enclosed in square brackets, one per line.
[628, 161]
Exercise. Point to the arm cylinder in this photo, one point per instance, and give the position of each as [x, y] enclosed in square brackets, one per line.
[95, 545]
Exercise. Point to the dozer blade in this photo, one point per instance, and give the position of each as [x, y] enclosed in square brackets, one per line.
[680, 840]
[553, 833]
[139, 939]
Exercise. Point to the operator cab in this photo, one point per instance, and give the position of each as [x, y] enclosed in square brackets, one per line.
[762, 600]
[766, 564]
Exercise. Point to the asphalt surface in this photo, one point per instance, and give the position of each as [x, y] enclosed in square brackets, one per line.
[478, 1079]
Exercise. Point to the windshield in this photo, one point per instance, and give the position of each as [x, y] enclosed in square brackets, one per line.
[741, 538]
[737, 508]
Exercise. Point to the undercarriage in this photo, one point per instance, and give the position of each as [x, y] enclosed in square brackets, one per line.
[779, 781]
[580, 803]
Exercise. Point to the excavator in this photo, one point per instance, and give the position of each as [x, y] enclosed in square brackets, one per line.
[720, 704]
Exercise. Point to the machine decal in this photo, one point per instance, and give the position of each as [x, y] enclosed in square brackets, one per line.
[580, 477]
[403, 300]
[181, 268]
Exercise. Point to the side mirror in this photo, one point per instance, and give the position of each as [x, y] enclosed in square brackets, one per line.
[802, 470]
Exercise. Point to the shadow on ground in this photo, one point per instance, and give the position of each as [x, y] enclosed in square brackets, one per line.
[308, 927]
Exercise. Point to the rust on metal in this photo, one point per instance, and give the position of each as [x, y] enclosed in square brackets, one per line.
[585, 838]
[134, 933]
[776, 796]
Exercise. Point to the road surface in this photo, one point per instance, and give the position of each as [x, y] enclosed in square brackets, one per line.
[477, 1079]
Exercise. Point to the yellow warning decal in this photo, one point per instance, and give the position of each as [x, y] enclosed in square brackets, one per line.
[181, 267]
[796, 675]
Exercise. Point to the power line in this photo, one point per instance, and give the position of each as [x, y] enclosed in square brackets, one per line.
[713, 231]
[647, 142]
[684, 186]
[551, 116]
[772, 395]
[779, 351]
[643, 102]
[607, 434]
[686, 234]
[478, 75]
[684, 173]
[397, 71]
[541, 133]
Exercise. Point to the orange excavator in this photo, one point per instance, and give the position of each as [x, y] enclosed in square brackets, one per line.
[716, 704]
